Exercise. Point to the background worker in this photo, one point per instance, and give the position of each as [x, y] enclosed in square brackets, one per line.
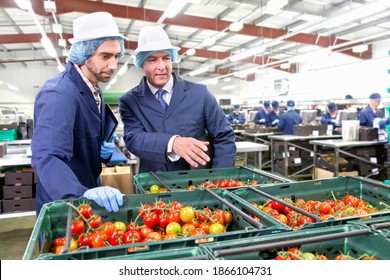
[289, 119]
[165, 115]
[330, 117]
[67, 145]
[370, 115]
[262, 113]
[273, 116]
[236, 117]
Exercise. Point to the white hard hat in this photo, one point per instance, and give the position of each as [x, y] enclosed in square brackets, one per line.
[94, 26]
[153, 38]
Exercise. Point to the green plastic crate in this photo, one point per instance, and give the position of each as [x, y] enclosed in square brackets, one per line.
[8, 134]
[52, 222]
[180, 180]
[354, 240]
[371, 191]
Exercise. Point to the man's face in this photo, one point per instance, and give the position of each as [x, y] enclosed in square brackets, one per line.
[158, 69]
[374, 103]
[100, 66]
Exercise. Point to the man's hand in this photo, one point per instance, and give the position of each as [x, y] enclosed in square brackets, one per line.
[191, 150]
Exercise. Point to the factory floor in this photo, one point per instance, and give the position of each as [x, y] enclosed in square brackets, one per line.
[14, 235]
[16, 229]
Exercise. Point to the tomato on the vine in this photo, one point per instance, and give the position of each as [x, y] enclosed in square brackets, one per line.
[95, 221]
[150, 219]
[227, 217]
[85, 240]
[98, 239]
[186, 214]
[120, 225]
[131, 236]
[173, 227]
[115, 238]
[85, 210]
[145, 230]
[173, 217]
[216, 228]
[107, 228]
[77, 226]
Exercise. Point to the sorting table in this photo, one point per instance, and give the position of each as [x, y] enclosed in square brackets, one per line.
[288, 141]
[340, 146]
[247, 147]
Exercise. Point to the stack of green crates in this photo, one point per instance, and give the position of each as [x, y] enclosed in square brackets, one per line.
[180, 180]
[349, 239]
[372, 191]
[52, 223]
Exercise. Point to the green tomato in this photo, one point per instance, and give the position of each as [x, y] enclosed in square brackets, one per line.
[120, 225]
[173, 227]
[307, 256]
[154, 188]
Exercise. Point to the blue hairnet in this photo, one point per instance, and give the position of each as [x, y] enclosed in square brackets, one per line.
[275, 104]
[142, 56]
[290, 103]
[375, 96]
[266, 104]
[80, 51]
[332, 107]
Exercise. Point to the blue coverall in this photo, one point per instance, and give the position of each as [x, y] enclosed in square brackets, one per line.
[287, 121]
[192, 110]
[260, 117]
[67, 138]
[366, 117]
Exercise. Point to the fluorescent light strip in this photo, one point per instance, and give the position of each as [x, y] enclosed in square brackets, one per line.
[199, 71]
[174, 8]
[247, 53]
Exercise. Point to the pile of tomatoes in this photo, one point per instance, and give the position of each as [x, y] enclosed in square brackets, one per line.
[221, 184]
[296, 254]
[337, 208]
[155, 222]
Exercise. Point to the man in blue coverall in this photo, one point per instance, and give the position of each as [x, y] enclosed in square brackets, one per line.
[370, 115]
[289, 119]
[330, 117]
[67, 146]
[272, 117]
[262, 113]
[164, 116]
[236, 117]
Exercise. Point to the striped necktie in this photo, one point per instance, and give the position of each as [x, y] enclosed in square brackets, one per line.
[160, 94]
[97, 98]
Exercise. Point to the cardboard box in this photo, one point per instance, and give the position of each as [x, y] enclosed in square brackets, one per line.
[23, 178]
[307, 130]
[18, 205]
[368, 134]
[119, 177]
[17, 191]
[320, 173]
[327, 162]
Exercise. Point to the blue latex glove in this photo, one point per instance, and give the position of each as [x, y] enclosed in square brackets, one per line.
[107, 148]
[376, 122]
[107, 197]
[275, 122]
[236, 121]
[262, 121]
[335, 122]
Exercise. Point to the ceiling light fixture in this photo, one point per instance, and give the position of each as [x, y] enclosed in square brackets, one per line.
[360, 48]
[285, 65]
[236, 26]
[247, 53]
[228, 87]
[47, 44]
[209, 41]
[199, 71]
[174, 8]
[357, 13]
[191, 52]
[11, 87]
[24, 4]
